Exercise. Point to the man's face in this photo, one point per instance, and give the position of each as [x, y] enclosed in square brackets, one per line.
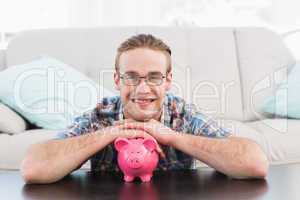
[143, 101]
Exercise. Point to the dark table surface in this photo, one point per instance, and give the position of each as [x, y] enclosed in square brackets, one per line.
[282, 182]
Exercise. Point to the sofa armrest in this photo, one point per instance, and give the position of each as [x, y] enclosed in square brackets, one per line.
[13, 147]
[10, 121]
[2, 59]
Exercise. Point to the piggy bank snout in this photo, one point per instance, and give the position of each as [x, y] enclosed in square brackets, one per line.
[135, 158]
[134, 162]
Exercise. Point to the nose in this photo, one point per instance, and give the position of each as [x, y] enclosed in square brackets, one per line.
[143, 87]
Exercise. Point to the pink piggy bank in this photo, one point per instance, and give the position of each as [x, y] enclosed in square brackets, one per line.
[137, 157]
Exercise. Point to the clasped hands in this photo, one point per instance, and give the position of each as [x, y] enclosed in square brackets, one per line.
[133, 129]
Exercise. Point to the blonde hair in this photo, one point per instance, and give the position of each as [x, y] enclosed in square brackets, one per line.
[143, 41]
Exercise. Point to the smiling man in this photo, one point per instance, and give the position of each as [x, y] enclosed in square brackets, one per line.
[144, 108]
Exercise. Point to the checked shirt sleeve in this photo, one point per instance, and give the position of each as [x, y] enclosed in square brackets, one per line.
[103, 115]
[200, 124]
[86, 123]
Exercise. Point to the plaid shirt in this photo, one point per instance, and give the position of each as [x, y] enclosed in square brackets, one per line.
[177, 115]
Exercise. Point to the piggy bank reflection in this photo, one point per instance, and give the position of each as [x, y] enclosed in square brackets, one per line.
[131, 191]
[137, 157]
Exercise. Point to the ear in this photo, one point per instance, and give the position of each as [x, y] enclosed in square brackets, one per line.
[117, 80]
[120, 143]
[169, 81]
[150, 144]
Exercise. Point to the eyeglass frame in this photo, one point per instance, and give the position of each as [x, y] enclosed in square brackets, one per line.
[142, 77]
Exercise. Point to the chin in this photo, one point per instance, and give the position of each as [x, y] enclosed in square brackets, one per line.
[142, 116]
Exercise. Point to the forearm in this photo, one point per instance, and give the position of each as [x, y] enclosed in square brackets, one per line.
[52, 160]
[233, 156]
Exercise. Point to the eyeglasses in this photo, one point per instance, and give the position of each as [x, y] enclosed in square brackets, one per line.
[133, 78]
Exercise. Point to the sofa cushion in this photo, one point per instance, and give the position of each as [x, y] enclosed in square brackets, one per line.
[10, 121]
[281, 139]
[286, 100]
[278, 138]
[48, 93]
[263, 60]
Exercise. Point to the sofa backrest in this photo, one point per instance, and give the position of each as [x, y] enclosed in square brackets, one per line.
[226, 72]
[2, 59]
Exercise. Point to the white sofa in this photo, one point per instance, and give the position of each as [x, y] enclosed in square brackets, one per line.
[226, 72]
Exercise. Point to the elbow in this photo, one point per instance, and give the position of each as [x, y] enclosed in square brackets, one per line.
[255, 164]
[253, 170]
[31, 169]
[28, 173]
[260, 169]
[33, 173]
[258, 163]
[28, 177]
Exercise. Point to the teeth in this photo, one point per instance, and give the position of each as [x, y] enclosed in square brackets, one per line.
[143, 100]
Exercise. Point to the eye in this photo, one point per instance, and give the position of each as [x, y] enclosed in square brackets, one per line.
[131, 75]
[155, 78]
[131, 78]
[159, 74]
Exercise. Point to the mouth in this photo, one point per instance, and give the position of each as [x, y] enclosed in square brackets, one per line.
[143, 101]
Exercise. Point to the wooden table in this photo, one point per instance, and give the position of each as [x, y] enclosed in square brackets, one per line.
[282, 182]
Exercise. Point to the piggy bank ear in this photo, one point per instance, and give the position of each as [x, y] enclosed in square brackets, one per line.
[150, 144]
[120, 143]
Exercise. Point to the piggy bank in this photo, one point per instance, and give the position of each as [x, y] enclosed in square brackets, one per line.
[137, 157]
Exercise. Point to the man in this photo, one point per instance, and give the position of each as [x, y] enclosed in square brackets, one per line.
[143, 75]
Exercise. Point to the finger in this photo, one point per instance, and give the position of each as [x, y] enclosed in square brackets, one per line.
[130, 127]
[124, 121]
[110, 130]
[118, 122]
[152, 128]
[134, 133]
[160, 151]
[136, 125]
[153, 121]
